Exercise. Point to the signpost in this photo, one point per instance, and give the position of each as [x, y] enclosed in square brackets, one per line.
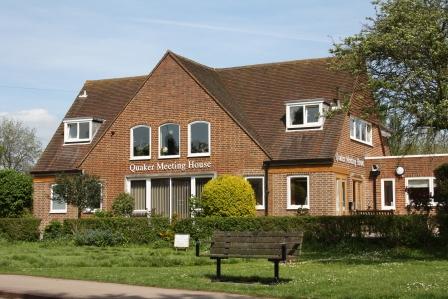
[181, 241]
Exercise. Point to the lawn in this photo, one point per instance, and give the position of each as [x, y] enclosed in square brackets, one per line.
[371, 274]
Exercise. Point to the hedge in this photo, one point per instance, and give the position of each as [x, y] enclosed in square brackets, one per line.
[19, 229]
[412, 230]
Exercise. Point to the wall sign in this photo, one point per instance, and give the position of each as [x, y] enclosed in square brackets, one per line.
[162, 166]
[349, 160]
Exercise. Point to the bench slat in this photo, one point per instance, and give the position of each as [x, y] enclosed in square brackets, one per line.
[257, 239]
[253, 245]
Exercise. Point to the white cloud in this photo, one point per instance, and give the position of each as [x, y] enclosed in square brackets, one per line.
[38, 118]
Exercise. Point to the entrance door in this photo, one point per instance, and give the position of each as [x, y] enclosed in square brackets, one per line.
[341, 198]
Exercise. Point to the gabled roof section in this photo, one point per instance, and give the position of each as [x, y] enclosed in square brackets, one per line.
[105, 99]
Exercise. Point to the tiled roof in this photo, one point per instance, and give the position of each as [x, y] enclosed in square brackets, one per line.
[105, 99]
[254, 96]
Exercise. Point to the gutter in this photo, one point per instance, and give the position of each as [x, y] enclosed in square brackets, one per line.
[54, 172]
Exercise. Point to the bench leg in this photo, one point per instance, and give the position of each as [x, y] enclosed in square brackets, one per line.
[276, 271]
[218, 268]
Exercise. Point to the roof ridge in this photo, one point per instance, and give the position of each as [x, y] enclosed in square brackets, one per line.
[190, 60]
[273, 63]
[118, 78]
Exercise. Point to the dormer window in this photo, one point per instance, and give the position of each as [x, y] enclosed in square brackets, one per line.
[80, 130]
[304, 115]
[360, 130]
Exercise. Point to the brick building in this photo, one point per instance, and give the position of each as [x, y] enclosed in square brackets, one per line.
[161, 137]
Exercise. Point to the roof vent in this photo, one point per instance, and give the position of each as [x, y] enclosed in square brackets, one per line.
[83, 95]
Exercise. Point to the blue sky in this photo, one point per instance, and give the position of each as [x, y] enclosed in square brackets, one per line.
[49, 48]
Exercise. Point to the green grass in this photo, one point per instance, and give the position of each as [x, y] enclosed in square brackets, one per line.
[398, 273]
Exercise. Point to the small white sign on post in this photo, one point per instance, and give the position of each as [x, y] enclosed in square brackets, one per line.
[181, 241]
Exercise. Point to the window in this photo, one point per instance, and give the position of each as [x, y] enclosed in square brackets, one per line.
[419, 188]
[169, 141]
[138, 192]
[360, 130]
[57, 205]
[140, 143]
[77, 130]
[298, 192]
[304, 115]
[98, 205]
[388, 194]
[257, 184]
[199, 139]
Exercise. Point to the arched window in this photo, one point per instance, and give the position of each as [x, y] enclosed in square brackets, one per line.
[140, 143]
[199, 139]
[169, 141]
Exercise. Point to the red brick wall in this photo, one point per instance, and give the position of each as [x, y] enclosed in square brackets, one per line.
[171, 95]
[415, 166]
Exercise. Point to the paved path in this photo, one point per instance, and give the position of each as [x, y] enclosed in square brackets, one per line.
[29, 287]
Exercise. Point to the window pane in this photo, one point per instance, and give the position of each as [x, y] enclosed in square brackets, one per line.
[369, 133]
[352, 127]
[138, 191]
[418, 189]
[257, 185]
[200, 183]
[169, 140]
[363, 131]
[299, 191]
[199, 138]
[388, 193]
[160, 197]
[73, 130]
[181, 192]
[312, 114]
[141, 141]
[296, 115]
[358, 129]
[84, 129]
[57, 203]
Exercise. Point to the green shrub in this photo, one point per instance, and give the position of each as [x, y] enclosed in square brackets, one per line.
[441, 189]
[123, 205]
[54, 230]
[103, 214]
[16, 193]
[228, 195]
[20, 229]
[99, 237]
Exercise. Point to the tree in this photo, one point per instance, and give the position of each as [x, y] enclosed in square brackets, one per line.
[404, 51]
[228, 195]
[19, 145]
[16, 193]
[80, 190]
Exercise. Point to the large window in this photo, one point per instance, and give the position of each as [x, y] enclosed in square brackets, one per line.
[140, 143]
[304, 115]
[298, 192]
[388, 194]
[169, 141]
[360, 130]
[166, 197]
[199, 139]
[57, 205]
[419, 189]
[78, 130]
[257, 183]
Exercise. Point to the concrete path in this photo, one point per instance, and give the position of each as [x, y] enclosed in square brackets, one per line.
[29, 287]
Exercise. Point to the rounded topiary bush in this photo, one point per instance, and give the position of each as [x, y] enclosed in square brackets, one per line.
[123, 205]
[228, 195]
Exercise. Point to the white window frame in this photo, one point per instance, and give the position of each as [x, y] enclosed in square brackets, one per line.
[383, 199]
[67, 138]
[62, 211]
[160, 143]
[289, 206]
[353, 133]
[132, 157]
[263, 205]
[208, 154]
[431, 187]
[305, 124]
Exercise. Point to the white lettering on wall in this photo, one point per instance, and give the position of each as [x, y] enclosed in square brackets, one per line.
[162, 166]
[349, 160]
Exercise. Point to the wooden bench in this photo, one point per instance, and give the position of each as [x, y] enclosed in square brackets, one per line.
[273, 246]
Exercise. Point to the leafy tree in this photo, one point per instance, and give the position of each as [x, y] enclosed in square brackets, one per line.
[404, 51]
[441, 189]
[19, 145]
[80, 190]
[16, 193]
[228, 195]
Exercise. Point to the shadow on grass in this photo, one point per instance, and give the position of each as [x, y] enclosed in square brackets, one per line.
[248, 279]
